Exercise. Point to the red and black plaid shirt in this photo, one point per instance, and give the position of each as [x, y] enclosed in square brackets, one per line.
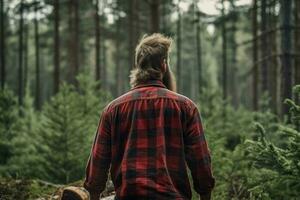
[147, 136]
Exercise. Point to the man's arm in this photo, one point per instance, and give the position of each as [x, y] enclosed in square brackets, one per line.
[100, 159]
[198, 156]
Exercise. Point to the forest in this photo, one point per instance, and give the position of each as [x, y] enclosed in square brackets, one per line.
[63, 61]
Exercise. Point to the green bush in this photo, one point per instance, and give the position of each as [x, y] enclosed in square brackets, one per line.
[52, 144]
[226, 128]
[8, 118]
[68, 126]
[281, 162]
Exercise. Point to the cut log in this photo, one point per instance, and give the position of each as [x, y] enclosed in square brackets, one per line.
[75, 193]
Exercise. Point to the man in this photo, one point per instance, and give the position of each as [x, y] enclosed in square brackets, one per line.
[147, 136]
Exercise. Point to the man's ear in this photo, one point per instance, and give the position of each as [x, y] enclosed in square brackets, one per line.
[163, 65]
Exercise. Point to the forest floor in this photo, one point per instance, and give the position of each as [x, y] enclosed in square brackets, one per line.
[37, 190]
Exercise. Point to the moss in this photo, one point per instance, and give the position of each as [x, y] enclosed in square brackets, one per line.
[25, 189]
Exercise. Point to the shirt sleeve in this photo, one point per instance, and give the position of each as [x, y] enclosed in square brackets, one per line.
[100, 157]
[197, 154]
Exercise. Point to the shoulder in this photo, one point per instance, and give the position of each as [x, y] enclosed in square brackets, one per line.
[190, 104]
[160, 93]
[119, 100]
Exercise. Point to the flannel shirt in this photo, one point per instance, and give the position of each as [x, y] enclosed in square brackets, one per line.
[146, 137]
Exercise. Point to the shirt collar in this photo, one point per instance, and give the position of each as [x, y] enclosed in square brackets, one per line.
[149, 83]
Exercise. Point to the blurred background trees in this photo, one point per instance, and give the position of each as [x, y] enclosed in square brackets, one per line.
[61, 61]
[47, 42]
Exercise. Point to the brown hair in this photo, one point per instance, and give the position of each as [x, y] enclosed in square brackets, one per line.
[149, 54]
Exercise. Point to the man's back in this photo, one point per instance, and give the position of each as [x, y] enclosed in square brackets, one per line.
[148, 135]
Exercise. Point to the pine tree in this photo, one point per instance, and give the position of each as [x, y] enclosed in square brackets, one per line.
[8, 117]
[281, 160]
[69, 122]
[62, 131]
[24, 152]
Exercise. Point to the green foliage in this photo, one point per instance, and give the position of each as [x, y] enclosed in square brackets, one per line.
[8, 113]
[25, 154]
[56, 140]
[63, 135]
[25, 189]
[251, 173]
[282, 162]
[260, 162]
[8, 116]
[225, 129]
[69, 122]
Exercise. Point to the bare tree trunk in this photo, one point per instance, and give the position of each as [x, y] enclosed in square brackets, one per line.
[20, 69]
[117, 54]
[26, 58]
[76, 37]
[163, 16]
[131, 36]
[224, 53]
[104, 64]
[56, 74]
[2, 45]
[154, 8]
[73, 41]
[255, 82]
[297, 42]
[198, 47]
[273, 84]
[297, 51]
[264, 47]
[137, 31]
[97, 41]
[37, 60]
[178, 48]
[233, 66]
[286, 87]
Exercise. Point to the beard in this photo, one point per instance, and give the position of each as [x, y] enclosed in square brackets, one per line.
[169, 80]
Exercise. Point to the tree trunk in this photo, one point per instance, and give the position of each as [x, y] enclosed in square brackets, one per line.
[104, 64]
[131, 36]
[26, 59]
[73, 41]
[297, 42]
[20, 69]
[137, 31]
[286, 87]
[224, 53]
[154, 9]
[76, 37]
[97, 41]
[198, 47]
[264, 47]
[178, 49]
[163, 16]
[297, 51]
[233, 62]
[56, 74]
[37, 60]
[273, 84]
[117, 54]
[2, 46]
[255, 56]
